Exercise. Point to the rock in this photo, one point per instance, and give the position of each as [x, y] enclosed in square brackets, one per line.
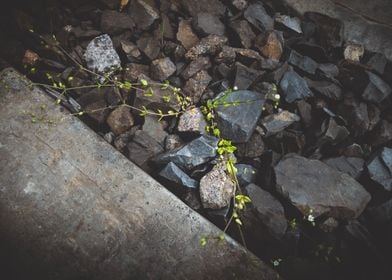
[162, 68]
[150, 46]
[175, 175]
[377, 90]
[245, 76]
[354, 150]
[142, 148]
[185, 34]
[143, 13]
[292, 23]
[155, 128]
[192, 199]
[246, 174]
[195, 153]
[192, 121]
[244, 33]
[305, 111]
[240, 4]
[329, 30]
[311, 184]
[329, 225]
[227, 55]
[270, 45]
[328, 69]
[109, 137]
[382, 133]
[258, 17]
[303, 62]
[208, 45]
[201, 63]
[196, 85]
[326, 88]
[216, 188]
[353, 166]
[122, 140]
[276, 123]
[207, 24]
[254, 147]
[237, 122]
[353, 52]
[195, 7]
[380, 168]
[120, 120]
[377, 62]
[268, 210]
[134, 70]
[131, 50]
[168, 30]
[333, 132]
[294, 87]
[100, 55]
[112, 4]
[172, 141]
[113, 22]
[382, 214]
[30, 58]
[97, 110]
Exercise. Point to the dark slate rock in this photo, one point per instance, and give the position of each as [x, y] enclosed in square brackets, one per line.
[333, 132]
[244, 33]
[237, 122]
[150, 46]
[254, 147]
[113, 22]
[245, 76]
[353, 166]
[268, 210]
[276, 123]
[305, 111]
[162, 68]
[311, 184]
[201, 63]
[326, 88]
[197, 152]
[207, 23]
[175, 175]
[329, 70]
[377, 63]
[246, 174]
[377, 90]
[380, 168]
[194, 7]
[294, 87]
[382, 133]
[382, 214]
[143, 13]
[173, 141]
[258, 17]
[192, 199]
[304, 63]
[329, 30]
[292, 23]
[208, 45]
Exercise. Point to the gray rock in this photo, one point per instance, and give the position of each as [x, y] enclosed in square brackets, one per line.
[382, 133]
[208, 45]
[194, 7]
[186, 35]
[131, 50]
[377, 90]
[246, 174]
[112, 4]
[143, 13]
[113, 22]
[294, 87]
[380, 168]
[245, 76]
[268, 210]
[305, 111]
[155, 128]
[353, 166]
[258, 17]
[196, 85]
[192, 121]
[238, 122]
[254, 147]
[173, 141]
[326, 88]
[123, 139]
[100, 55]
[276, 123]
[175, 175]
[382, 214]
[195, 153]
[377, 62]
[292, 23]
[244, 33]
[311, 184]
[120, 120]
[201, 63]
[333, 132]
[240, 4]
[304, 63]
[330, 30]
[207, 24]
[150, 46]
[329, 70]
[216, 188]
[162, 68]
[134, 70]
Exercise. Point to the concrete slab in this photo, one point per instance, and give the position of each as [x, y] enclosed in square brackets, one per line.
[72, 207]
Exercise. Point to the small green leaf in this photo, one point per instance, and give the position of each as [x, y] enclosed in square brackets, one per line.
[143, 82]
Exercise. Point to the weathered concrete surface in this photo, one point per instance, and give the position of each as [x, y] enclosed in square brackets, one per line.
[72, 207]
[366, 22]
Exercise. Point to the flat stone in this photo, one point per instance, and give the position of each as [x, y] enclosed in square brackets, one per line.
[113, 22]
[245, 76]
[270, 45]
[192, 121]
[195, 7]
[268, 210]
[377, 62]
[174, 174]
[120, 120]
[377, 90]
[162, 68]
[276, 123]
[258, 17]
[254, 147]
[305, 111]
[216, 188]
[292, 23]
[190, 155]
[353, 166]
[208, 45]
[143, 13]
[304, 63]
[328, 69]
[294, 87]
[244, 33]
[196, 85]
[207, 24]
[100, 55]
[186, 35]
[168, 30]
[238, 122]
[311, 184]
[201, 63]
[246, 174]
[326, 88]
[380, 168]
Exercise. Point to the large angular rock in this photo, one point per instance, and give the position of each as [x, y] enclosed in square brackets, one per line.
[276, 123]
[380, 168]
[196, 85]
[201, 63]
[175, 175]
[245, 76]
[304, 63]
[113, 22]
[155, 128]
[377, 90]
[258, 17]
[238, 120]
[326, 88]
[195, 153]
[150, 46]
[143, 13]
[270, 45]
[268, 210]
[100, 55]
[353, 166]
[254, 147]
[185, 34]
[207, 24]
[311, 184]
[294, 87]
[292, 23]
[217, 188]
